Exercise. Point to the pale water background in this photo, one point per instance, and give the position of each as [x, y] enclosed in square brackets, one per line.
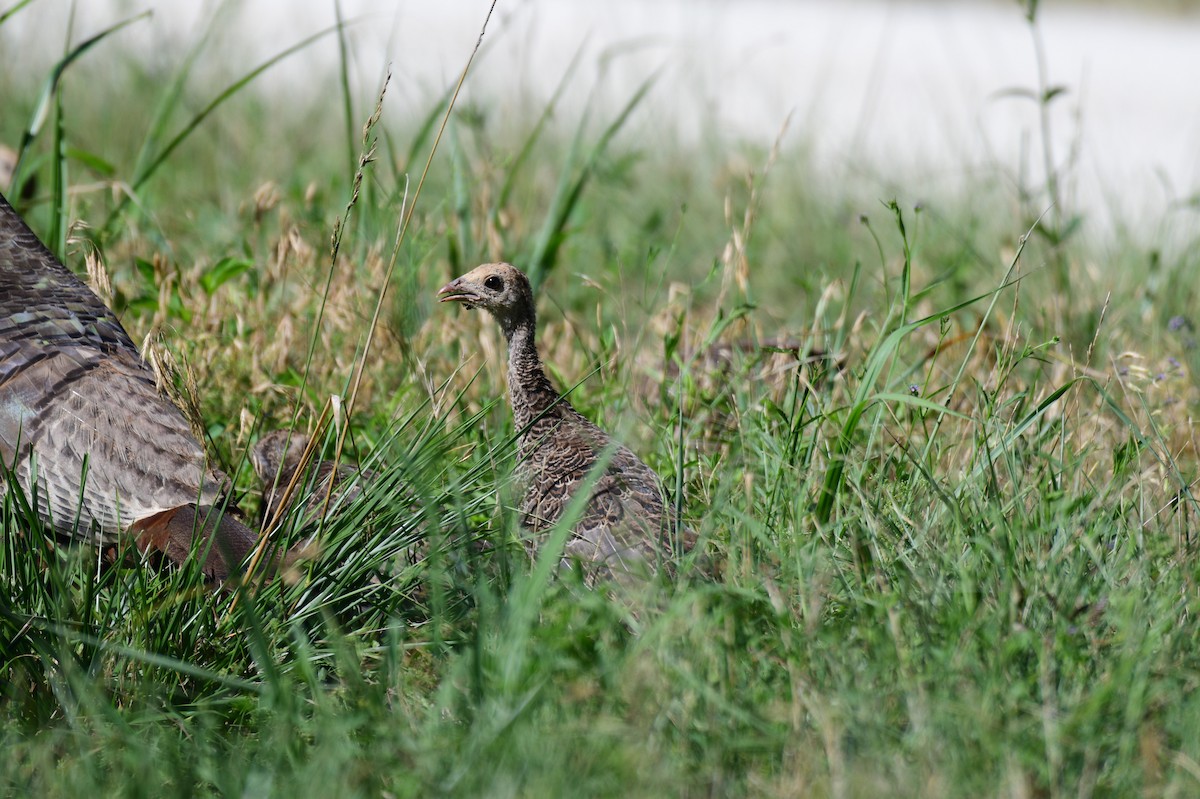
[908, 94]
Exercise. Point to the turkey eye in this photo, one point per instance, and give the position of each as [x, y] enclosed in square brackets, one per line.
[494, 283]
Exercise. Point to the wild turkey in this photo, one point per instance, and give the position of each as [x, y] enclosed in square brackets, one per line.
[276, 458]
[79, 410]
[627, 528]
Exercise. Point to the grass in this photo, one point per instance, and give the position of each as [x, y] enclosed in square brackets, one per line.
[962, 565]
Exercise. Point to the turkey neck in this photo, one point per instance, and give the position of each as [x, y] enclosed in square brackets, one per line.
[532, 395]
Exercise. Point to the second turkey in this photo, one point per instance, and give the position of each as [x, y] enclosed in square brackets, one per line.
[627, 528]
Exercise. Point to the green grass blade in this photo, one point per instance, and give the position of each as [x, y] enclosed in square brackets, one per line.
[554, 230]
[50, 91]
[152, 166]
[11, 10]
[347, 99]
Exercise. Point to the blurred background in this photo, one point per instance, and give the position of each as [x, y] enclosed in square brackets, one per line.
[928, 96]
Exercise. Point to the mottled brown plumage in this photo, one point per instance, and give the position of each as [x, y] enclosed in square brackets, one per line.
[276, 458]
[79, 409]
[627, 527]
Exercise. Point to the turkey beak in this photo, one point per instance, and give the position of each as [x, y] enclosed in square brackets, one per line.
[458, 290]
